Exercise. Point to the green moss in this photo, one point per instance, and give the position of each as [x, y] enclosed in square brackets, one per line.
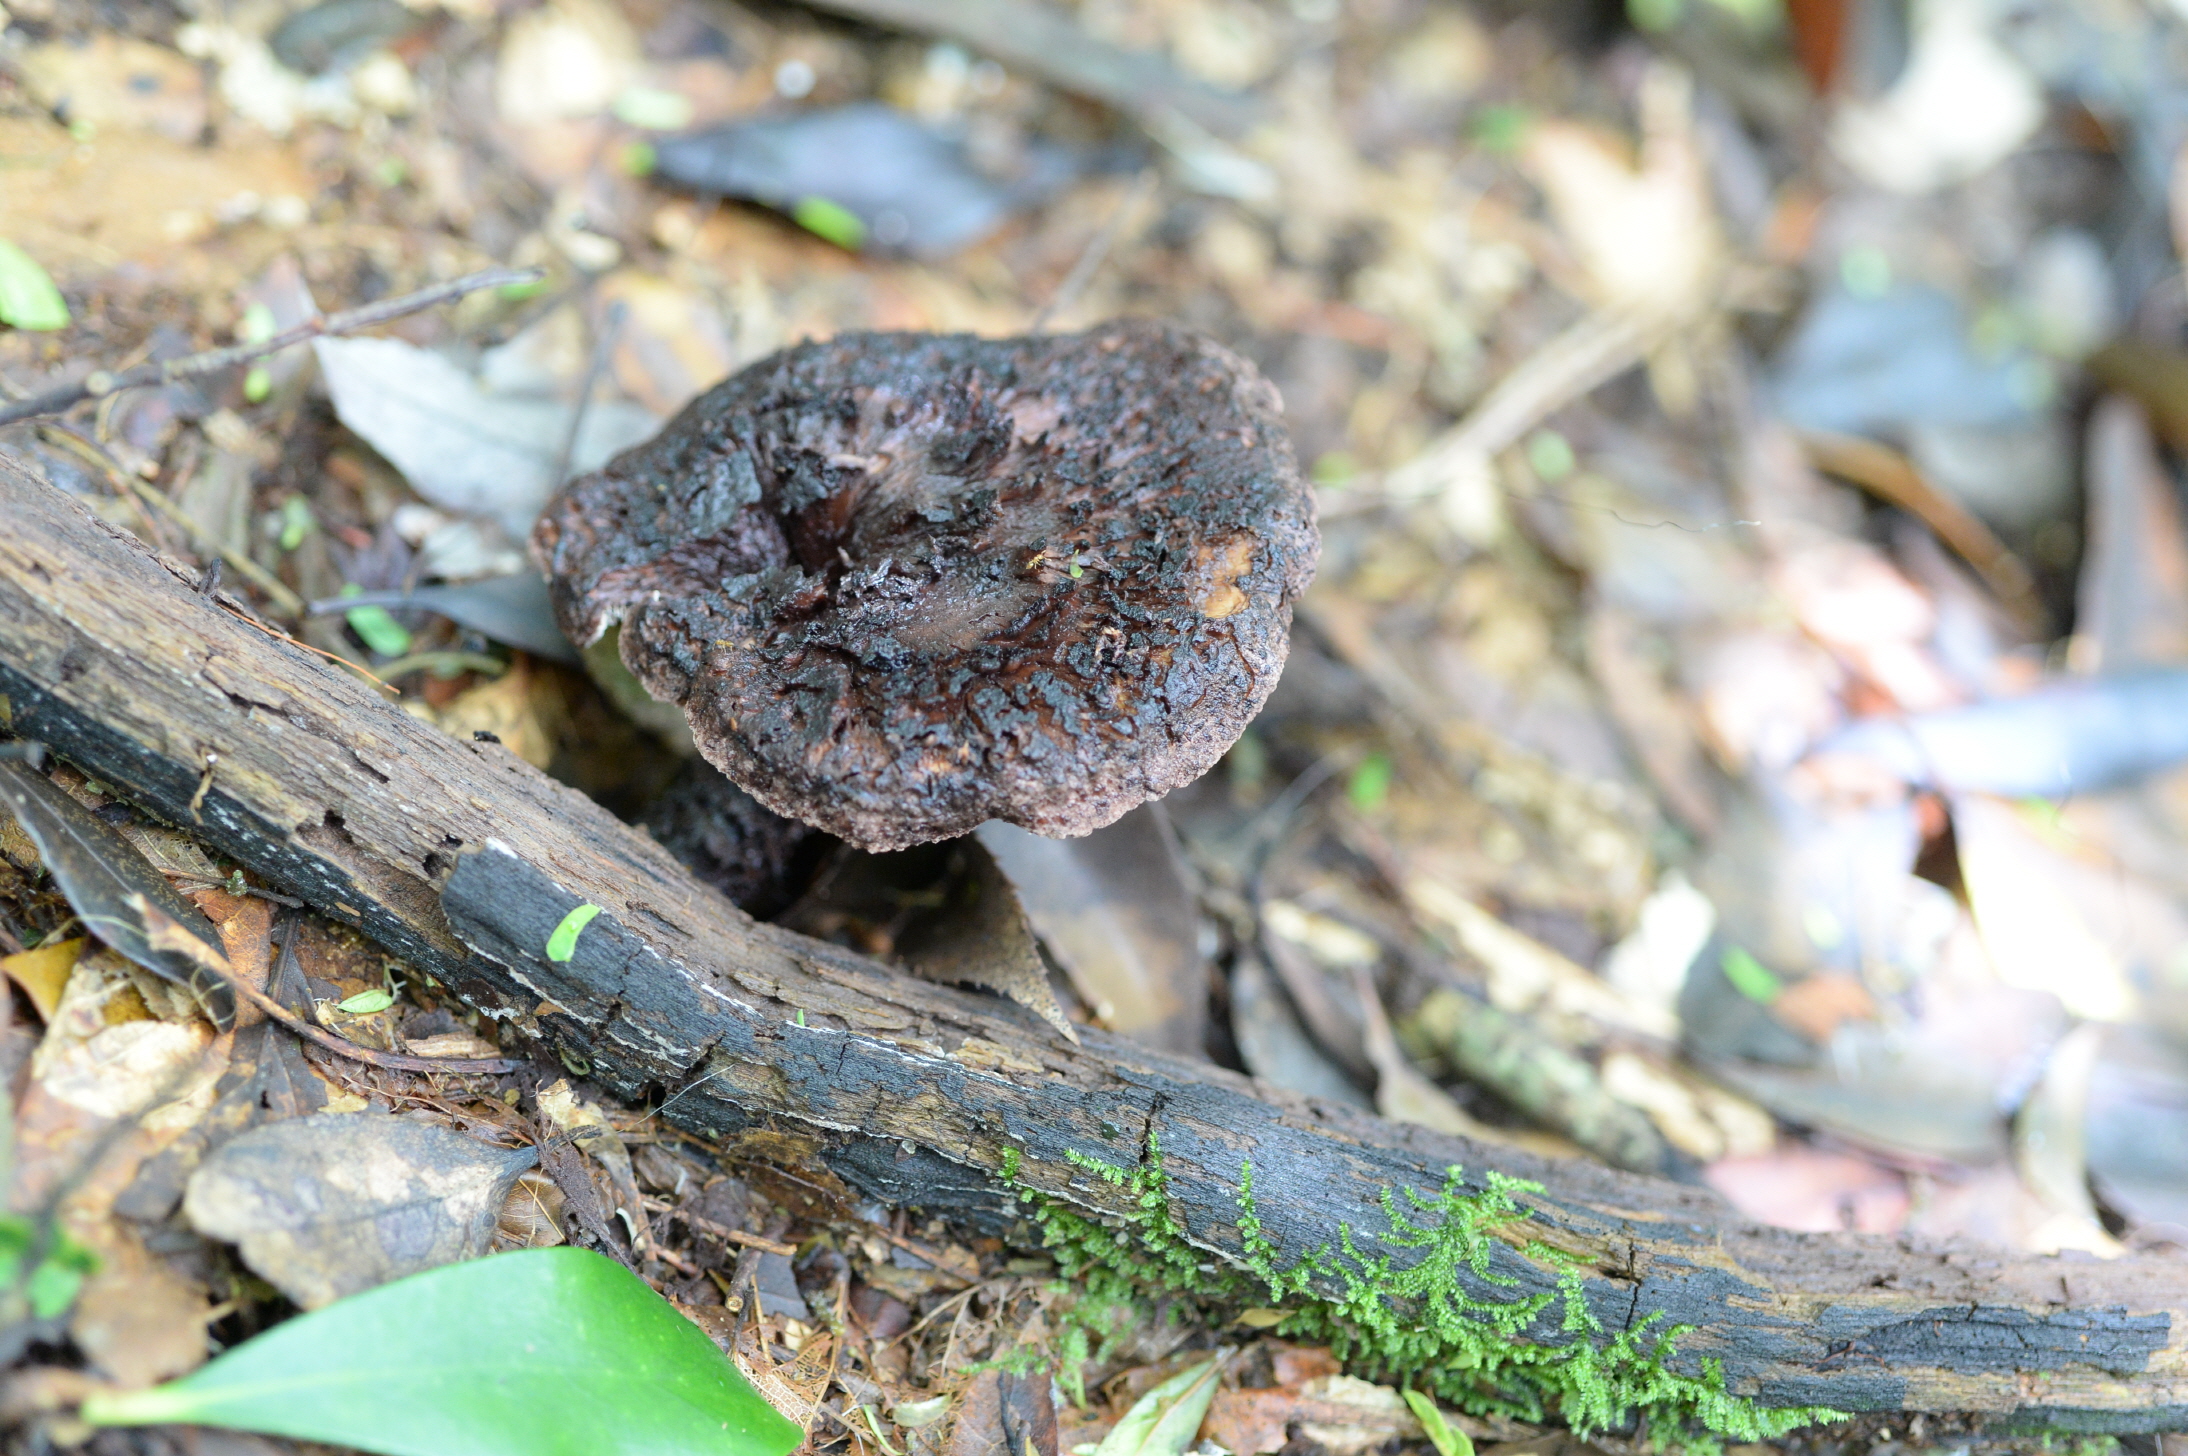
[1415, 1326]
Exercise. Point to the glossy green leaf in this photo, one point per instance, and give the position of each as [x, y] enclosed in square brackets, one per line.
[562, 944]
[364, 1003]
[1164, 1421]
[541, 1352]
[1441, 1434]
[28, 299]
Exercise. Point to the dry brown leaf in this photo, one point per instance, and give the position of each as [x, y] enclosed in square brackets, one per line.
[138, 1319]
[42, 973]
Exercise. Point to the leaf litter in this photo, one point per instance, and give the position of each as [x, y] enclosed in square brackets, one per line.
[1647, 759]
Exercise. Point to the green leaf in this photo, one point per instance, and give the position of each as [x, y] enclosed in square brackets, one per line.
[257, 384]
[541, 1352]
[650, 108]
[1164, 1421]
[831, 220]
[52, 1286]
[28, 299]
[1448, 1442]
[297, 522]
[1750, 977]
[379, 631]
[1369, 785]
[258, 324]
[364, 1003]
[563, 943]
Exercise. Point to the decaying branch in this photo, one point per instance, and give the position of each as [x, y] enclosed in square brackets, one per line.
[461, 858]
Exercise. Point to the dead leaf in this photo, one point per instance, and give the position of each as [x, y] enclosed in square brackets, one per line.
[1276, 1048]
[2131, 604]
[101, 872]
[113, 80]
[1802, 1188]
[524, 708]
[1680, 1112]
[1114, 909]
[2020, 890]
[591, 1132]
[132, 197]
[1524, 973]
[465, 448]
[1646, 235]
[1402, 1094]
[1817, 1005]
[2051, 1147]
[138, 1319]
[267, 1078]
[1029, 1412]
[328, 1205]
[43, 972]
[794, 1387]
[982, 938]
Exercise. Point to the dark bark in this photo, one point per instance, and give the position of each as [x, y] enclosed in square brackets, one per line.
[463, 860]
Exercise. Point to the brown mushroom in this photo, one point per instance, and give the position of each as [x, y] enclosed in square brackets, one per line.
[733, 842]
[904, 583]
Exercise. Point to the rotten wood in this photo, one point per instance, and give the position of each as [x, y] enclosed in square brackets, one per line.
[462, 859]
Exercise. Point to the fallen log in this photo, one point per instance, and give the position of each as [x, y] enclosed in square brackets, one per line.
[464, 860]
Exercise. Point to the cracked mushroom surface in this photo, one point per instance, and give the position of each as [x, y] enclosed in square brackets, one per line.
[901, 584]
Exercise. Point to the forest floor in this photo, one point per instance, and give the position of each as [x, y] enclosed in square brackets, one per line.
[1685, 445]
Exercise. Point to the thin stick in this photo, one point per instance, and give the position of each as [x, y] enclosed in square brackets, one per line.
[364, 672]
[99, 383]
[1892, 478]
[722, 1230]
[603, 346]
[285, 601]
[1082, 272]
[164, 934]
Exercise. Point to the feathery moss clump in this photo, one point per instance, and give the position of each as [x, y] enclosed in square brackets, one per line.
[1415, 1326]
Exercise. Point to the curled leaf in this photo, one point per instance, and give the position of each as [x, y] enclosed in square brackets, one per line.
[562, 944]
[1447, 1440]
[1164, 1421]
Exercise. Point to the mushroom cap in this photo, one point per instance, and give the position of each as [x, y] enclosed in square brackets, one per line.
[902, 584]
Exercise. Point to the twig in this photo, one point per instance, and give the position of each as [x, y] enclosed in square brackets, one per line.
[285, 601]
[164, 934]
[1097, 250]
[603, 346]
[722, 1230]
[281, 636]
[1592, 352]
[1892, 478]
[100, 383]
